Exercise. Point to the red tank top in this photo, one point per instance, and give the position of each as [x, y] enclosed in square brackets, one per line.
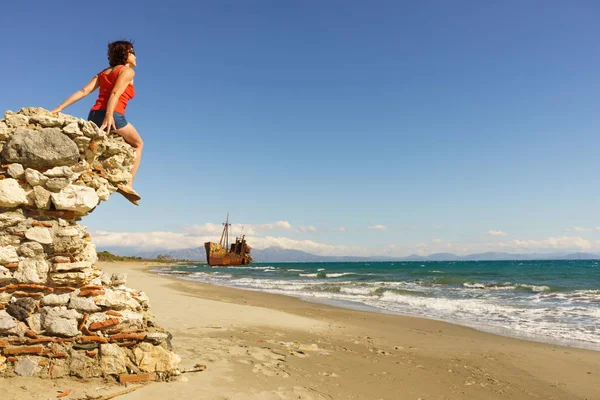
[107, 82]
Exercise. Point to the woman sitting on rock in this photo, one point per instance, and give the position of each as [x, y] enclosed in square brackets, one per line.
[116, 89]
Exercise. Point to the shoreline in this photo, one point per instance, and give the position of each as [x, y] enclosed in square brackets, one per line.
[472, 341]
[259, 345]
[356, 306]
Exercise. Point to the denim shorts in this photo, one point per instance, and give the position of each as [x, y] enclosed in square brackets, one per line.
[97, 116]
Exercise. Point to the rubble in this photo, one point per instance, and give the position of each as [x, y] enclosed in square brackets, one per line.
[60, 315]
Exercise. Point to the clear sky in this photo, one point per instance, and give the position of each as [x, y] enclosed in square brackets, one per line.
[338, 127]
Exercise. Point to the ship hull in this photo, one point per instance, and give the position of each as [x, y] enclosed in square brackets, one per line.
[216, 255]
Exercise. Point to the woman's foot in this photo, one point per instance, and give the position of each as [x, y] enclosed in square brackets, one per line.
[130, 194]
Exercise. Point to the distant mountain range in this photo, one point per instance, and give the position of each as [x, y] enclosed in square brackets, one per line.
[278, 254]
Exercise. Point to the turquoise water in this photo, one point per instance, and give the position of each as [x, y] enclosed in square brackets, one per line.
[549, 301]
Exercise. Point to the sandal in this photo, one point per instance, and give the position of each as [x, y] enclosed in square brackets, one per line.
[129, 194]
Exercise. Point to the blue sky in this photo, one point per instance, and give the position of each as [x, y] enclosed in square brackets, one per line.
[338, 127]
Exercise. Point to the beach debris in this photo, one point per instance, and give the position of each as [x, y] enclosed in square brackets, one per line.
[60, 315]
[308, 347]
[331, 374]
[134, 378]
[195, 368]
[64, 393]
[113, 395]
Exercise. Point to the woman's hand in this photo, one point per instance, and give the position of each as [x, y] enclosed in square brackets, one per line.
[56, 110]
[108, 123]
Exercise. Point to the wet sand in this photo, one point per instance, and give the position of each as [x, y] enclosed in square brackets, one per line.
[263, 346]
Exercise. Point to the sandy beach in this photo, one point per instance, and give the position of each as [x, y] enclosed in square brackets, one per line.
[262, 346]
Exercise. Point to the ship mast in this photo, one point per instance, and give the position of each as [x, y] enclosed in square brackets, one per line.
[225, 234]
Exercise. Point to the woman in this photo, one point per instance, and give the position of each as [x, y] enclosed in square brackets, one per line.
[116, 89]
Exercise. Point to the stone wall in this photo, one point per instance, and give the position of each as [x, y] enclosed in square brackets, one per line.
[59, 314]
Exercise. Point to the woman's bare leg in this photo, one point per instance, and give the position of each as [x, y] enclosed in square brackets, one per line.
[131, 136]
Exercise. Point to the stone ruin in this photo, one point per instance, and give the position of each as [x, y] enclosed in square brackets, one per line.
[60, 315]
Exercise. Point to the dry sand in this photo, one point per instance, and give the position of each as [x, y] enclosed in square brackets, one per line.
[262, 346]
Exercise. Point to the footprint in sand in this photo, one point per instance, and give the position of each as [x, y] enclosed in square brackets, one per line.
[271, 369]
[298, 354]
[295, 393]
[264, 354]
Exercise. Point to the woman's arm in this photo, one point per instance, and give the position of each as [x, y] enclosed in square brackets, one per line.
[124, 79]
[78, 95]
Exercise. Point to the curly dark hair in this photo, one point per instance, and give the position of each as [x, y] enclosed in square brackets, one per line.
[118, 52]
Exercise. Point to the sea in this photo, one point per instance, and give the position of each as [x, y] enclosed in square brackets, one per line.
[551, 301]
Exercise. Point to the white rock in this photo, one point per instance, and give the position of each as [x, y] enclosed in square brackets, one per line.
[91, 130]
[74, 278]
[9, 240]
[57, 184]
[103, 193]
[60, 312]
[154, 358]
[82, 142]
[4, 131]
[59, 172]
[72, 244]
[72, 129]
[117, 175]
[84, 304]
[16, 170]
[143, 299]
[5, 297]
[35, 177]
[20, 329]
[34, 321]
[26, 367]
[60, 321]
[117, 300]
[131, 320]
[6, 322]
[68, 231]
[116, 161]
[89, 253]
[31, 249]
[30, 196]
[5, 275]
[8, 254]
[55, 300]
[98, 317]
[105, 278]
[32, 270]
[72, 266]
[39, 234]
[118, 145]
[96, 282]
[11, 218]
[118, 278]
[47, 121]
[11, 193]
[80, 199]
[113, 359]
[16, 120]
[61, 327]
[41, 197]
[157, 338]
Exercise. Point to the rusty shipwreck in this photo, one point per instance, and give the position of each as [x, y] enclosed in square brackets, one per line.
[218, 254]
